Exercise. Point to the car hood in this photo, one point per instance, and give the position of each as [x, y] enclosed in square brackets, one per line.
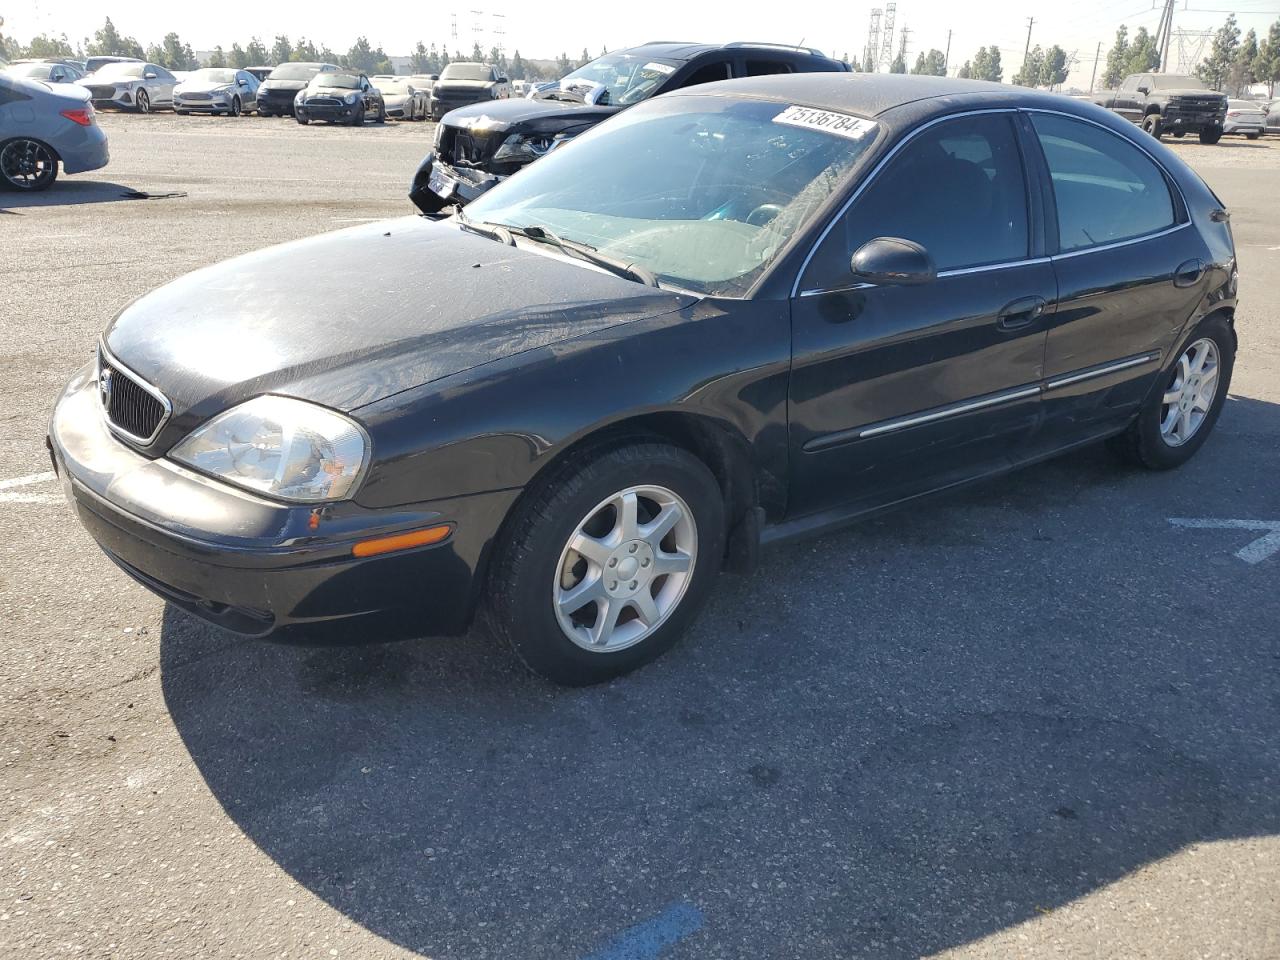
[442, 85]
[350, 317]
[526, 115]
[1192, 92]
[189, 87]
[338, 92]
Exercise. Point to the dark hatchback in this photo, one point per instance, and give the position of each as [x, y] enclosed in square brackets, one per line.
[730, 315]
[277, 93]
[478, 146]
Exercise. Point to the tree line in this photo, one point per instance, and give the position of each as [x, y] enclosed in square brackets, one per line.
[175, 54]
[1233, 64]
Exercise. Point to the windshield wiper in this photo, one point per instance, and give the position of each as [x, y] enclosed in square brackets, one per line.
[494, 231]
[585, 251]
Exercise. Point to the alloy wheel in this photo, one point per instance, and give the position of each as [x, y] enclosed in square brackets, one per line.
[144, 102]
[1189, 398]
[625, 568]
[27, 164]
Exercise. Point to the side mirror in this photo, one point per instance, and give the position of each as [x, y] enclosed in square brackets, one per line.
[503, 80]
[148, 75]
[1144, 89]
[892, 261]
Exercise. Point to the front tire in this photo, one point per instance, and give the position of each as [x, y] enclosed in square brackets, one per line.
[1179, 416]
[1210, 137]
[1153, 124]
[604, 564]
[236, 107]
[144, 102]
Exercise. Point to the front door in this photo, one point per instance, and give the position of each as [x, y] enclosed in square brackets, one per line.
[897, 390]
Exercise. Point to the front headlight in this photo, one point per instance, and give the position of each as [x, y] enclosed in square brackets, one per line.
[302, 95]
[281, 447]
[352, 98]
[526, 147]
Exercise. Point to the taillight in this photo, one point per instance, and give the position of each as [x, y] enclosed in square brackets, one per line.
[83, 116]
[1233, 113]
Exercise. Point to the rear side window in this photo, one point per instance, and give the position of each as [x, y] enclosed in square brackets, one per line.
[1106, 189]
[957, 189]
[708, 72]
[764, 68]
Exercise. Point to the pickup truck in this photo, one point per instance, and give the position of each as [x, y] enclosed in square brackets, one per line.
[1163, 103]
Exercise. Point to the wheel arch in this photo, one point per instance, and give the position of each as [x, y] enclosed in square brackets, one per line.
[1152, 108]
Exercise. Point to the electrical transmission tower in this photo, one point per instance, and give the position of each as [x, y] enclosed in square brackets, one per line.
[500, 33]
[453, 27]
[886, 34]
[1163, 30]
[873, 42]
[1191, 45]
[902, 47]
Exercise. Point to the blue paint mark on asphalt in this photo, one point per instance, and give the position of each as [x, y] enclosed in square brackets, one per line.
[647, 940]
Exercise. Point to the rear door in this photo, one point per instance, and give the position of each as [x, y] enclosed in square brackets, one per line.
[1131, 271]
[898, 390]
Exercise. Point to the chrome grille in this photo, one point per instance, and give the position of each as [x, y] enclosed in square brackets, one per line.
[133, 408]
[323, 102]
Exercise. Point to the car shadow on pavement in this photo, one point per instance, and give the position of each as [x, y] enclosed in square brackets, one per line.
[65, 193]
[888, 741]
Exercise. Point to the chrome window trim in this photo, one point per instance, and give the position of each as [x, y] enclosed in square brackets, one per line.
[961, 271]
[1114, 367]
[875, 172]
[144, 384]
[1121, 243]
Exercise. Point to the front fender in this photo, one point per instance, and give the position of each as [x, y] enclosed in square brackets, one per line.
[496, 426]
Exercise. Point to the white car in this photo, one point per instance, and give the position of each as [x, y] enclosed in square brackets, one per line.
[404, 97]
[131, 85]
[1248, 117]
[222, 90]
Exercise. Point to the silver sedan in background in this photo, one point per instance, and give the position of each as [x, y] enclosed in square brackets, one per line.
[1246, 116]
[406, 99]
[53, 71]
[131, 85]
[216, 90]
[42, 126]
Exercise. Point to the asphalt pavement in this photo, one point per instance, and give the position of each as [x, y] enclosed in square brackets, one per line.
[1037, 718]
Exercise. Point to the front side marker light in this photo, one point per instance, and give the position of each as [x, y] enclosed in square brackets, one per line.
[402, 541]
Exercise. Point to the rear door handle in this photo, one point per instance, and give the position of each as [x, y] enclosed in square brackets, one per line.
[1021, 313]
[1189, 274]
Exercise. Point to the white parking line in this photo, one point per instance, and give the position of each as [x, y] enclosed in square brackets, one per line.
[1260, 549]
[9, 495]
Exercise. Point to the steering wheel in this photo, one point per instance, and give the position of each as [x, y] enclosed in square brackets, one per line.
[762, 214]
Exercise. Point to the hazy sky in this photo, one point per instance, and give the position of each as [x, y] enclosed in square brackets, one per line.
[543, 30]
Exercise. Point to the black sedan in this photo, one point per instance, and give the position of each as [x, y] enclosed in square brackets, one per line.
[729, 315]
[340, 98]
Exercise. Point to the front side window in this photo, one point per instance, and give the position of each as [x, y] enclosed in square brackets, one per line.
[957, 189]
[704, 192]
[1106, 189]
[1130, 84]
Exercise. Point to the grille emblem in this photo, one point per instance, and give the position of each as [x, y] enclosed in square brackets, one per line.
[104, 388]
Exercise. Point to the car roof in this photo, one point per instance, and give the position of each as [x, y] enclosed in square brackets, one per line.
[872, 94]
[688, 50]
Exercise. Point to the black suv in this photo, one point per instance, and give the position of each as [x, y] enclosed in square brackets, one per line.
[478, 146]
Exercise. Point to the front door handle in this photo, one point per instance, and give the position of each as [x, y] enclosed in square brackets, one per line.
[1021, 313]
[1189, 274]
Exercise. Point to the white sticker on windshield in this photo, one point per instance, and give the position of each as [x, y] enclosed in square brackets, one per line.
[841, 124]
[663, 68]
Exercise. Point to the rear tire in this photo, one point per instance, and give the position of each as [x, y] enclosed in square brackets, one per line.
[1153, 124]
[1210, 137]
[1252, 136]
[536, 571]
[1145, 442]
[27, 166]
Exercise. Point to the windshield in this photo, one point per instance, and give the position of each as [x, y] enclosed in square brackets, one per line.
[295, 71]
[125, 71]
[40, 71]
[1173, 81]
[704, 192]
[625, 77]
[212, 75]
[392, 86]
[343, 81]
[467, 71]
